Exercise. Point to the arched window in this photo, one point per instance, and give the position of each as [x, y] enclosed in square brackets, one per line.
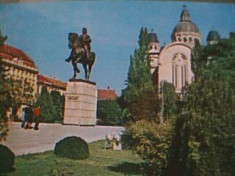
[185, 39]
[190, 39]
[179, 71]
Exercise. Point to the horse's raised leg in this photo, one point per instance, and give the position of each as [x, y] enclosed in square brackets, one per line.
[89, 69]
[75, 69]
[85, 69]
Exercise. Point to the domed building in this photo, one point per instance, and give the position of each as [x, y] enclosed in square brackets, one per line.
[172, 63]
[213, 37]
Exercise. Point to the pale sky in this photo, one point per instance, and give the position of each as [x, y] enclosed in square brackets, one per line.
[41, 30]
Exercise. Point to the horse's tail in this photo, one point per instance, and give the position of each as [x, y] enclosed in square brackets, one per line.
[92, 58]
[93, 55]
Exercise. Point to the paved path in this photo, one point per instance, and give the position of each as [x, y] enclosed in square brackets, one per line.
[22, 141]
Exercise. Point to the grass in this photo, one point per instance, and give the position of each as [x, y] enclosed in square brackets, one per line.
[100, 163]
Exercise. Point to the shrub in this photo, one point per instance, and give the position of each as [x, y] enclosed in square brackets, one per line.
[72, 147]
[7, 159]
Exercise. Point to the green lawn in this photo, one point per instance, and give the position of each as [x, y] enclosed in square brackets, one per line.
[100, 163]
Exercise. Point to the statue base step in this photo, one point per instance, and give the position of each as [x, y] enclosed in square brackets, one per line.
[80, 103]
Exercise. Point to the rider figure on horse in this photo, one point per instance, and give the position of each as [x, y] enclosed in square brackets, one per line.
[81, 52]
[86, 42]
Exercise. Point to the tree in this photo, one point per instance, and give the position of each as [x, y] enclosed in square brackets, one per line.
[169, 100]
[141, 106]
[109, 112]
[5, 96]
[198, 138]
[48, 110]
[58, 102]
[22, 92]
[207, 125]
[140, 97]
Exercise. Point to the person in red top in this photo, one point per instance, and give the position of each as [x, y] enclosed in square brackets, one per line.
[36, 113]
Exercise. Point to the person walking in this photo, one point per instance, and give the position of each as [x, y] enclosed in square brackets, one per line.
[36, 113]
[29, 117]
[25, 116]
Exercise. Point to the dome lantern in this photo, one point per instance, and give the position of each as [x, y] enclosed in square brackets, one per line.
[185, 16]
[185, 31]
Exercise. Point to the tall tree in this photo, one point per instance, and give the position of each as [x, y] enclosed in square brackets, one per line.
[208, 127]
[5, 95]
[48, 110]
[140, 95]
[140, 98]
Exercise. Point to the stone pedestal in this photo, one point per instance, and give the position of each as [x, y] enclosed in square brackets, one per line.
[80, 102]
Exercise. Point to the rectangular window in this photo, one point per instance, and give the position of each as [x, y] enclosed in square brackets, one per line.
[173, 82]
[176, 77]
[182, 76]
[185, 73]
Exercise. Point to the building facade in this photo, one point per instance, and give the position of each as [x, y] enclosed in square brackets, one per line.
[22, 69]
[50, 84]
[19, 66]
[172, 63]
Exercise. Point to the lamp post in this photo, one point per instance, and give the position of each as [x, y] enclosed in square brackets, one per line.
[162, 113]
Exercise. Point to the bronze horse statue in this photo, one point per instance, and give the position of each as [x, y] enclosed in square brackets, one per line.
[78, 55]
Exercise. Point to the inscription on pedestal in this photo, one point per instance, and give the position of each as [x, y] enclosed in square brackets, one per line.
[72, 98]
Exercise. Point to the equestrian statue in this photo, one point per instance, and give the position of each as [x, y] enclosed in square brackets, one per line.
[81, 53]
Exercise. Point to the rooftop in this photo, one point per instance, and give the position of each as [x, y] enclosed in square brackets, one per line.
[14, 54]
[47, 80]
[106, 94]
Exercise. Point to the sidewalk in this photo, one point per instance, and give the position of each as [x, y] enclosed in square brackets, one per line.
[22, 141]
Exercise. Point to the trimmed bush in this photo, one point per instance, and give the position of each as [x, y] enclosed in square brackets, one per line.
[72, 147]
[7, 159]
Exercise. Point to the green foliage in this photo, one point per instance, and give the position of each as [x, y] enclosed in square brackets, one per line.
[22, 93]
[211, 116]
[140, 93]
[5, 96]
[58, 102]
[169, 100]
[197, 137]
[144, 107]
[109, 112]
[12, 92]
[151, 142]
[48, 110]
[141, 109]
[52, 106]
[72, 147]
[7, 159]
[207, 134]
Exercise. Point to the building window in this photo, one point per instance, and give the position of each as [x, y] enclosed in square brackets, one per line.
[190, 39]
[176, 76]
[185, 39]
[179, 71]
[182, 76]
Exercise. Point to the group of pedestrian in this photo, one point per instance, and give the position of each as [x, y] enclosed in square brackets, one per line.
[31, 115]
